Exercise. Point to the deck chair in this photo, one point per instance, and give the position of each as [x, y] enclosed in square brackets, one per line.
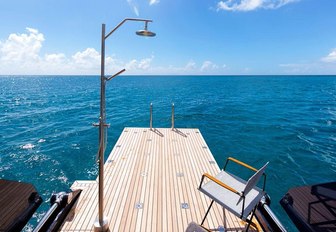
[238, 196]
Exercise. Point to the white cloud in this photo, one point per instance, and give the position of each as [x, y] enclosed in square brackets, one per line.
[152, 2]
[249, 5]
[134, 6]
[310, 68]
[24, 47]
[131, 65]
[191, 65]
[135, 66]
[331, 57]
[136, 11]
[298, 68]
[190, 68]
[20, 54]
[326, 67]
[32, 30]
[55, 58]
[145, 63]
[208, 66]
[88, 59]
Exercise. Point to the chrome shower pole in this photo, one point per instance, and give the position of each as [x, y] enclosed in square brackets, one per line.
[102, 224]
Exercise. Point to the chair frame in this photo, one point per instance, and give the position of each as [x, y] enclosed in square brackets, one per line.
[241, 194]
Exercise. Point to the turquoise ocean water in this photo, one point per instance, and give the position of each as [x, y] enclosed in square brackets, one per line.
[47, 137]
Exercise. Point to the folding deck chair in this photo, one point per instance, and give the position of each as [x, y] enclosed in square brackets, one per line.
[238, 196]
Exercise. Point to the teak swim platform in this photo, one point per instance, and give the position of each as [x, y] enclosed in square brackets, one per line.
[151, 179]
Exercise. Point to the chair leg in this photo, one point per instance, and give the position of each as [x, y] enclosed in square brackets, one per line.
[250, 220]
[207, 212]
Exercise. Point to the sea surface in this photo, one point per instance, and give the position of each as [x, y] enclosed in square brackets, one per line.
[47, 137]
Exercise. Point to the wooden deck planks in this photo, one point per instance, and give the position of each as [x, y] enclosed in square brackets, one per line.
[159, 171]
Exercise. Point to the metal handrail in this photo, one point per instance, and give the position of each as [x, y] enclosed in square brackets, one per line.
[151, 116]
[173, 119]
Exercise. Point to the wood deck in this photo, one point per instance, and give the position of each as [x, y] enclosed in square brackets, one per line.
[151, 181]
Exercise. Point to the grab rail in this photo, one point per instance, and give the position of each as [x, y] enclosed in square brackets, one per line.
[173, 119]
[151, 116]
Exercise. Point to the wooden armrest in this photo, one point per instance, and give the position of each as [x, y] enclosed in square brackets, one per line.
[219, 183]
[241, 163]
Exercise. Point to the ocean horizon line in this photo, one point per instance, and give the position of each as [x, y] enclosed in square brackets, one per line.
[172, 75]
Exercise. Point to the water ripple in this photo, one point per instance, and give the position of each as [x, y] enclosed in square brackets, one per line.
[48, 139]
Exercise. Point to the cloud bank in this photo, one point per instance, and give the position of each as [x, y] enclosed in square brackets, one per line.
[20, 54]
[250, 5]
[208, 66]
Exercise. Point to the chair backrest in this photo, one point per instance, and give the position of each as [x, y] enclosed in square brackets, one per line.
[254, 179]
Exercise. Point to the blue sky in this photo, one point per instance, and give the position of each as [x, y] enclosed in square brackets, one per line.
[204, 37]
